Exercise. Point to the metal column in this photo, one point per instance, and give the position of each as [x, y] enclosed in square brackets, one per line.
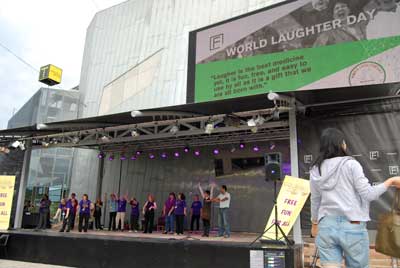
[22, 186]
[294, 163]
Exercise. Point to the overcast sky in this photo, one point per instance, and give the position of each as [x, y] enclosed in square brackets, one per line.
[41, 32]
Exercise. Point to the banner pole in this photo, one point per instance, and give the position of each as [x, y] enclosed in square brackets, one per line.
[294, 163]
[22, 185]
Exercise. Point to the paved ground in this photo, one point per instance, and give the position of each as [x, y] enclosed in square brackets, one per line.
[19, 264]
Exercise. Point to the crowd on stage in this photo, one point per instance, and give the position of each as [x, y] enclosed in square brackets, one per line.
[173, 213]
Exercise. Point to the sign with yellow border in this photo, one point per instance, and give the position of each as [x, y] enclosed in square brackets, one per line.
[6, 197]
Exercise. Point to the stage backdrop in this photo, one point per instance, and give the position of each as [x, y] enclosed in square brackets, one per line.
[372, 135]
[299, 45]
[241, 170]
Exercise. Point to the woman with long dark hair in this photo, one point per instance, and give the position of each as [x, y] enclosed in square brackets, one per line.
[340, 200]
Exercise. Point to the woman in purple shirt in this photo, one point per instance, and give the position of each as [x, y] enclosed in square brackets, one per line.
[121, 211]
[44, 211]
[168, 213]
[195, 212]
[84, 213]
[180, 213]
[134, 215]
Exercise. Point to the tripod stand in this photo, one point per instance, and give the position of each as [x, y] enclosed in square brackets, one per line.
[278, 229]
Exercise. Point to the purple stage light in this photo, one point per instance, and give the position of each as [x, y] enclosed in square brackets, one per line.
[186, 149]
[164, 155]
[197, 153]
[138, 152]
[176, 154]
[152, 156]
[241, 145]
[215, 151]
[100, 155]
[272, 146]
[256, 148]
[133, 157]
[111, 158]
[123, 157]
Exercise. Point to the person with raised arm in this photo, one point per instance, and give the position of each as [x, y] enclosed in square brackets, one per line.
[206, 209]
[121, 211]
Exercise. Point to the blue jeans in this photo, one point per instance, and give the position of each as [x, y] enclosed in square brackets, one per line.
[338, 238]
[223, 224]
[169, 223]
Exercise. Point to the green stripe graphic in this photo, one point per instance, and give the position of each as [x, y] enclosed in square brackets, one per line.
[265, 73]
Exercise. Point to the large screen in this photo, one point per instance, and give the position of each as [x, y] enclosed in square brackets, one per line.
[297, 45]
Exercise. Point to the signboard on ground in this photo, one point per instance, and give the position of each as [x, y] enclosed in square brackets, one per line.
[291, 199]
[6, 197]
[299, 45]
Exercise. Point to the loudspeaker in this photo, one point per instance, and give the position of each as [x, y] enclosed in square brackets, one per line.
[273, 167]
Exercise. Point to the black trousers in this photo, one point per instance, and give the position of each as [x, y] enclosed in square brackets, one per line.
[64, 224]
[97, 221]
[180, 219]
[111, 224]
[134, 223]
[148, 221]
[43, 217]
[83, 222]
[195, 218]
[72, 222]
[206, 226]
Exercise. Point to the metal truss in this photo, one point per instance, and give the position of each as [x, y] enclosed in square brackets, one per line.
[189, 131]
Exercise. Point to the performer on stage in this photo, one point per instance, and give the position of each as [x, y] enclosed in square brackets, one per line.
[63, 212]
[134, 215]
[168, 213]
[71, 221]
[195, 213]
[84, 213]
[206, 209]
[44, 211]
[180, 213]
[97, 214]
[121, 211]
[340, 200]
[224, 200]
[113, 207]
[149, 210]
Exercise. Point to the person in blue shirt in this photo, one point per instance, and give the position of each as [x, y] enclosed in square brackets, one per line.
[63, 213]
[113, 207]
[180, 213]
[195, 212]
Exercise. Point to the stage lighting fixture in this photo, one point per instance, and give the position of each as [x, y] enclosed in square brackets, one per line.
[177, 154]
[100, 155]
[54, 141]
[138, 153]
[45, 144]
[174, 129]
[186, 149]
[275, 114]
[216, 151]
[272, 146]
[197, 153]
[242, 145]
[254, 130]
[233, 149]
[251, 122]
[15, 144]
[133, 157]
[104, 138]
[135, 133]
[273, 167]
[152, 156]
[123, 157]
[75, 140]
[209, 128]
[256, 149]
[111, 158]
[164, 155]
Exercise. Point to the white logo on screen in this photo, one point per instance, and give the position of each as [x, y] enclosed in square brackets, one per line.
[394, 170]
[374, 155]
[216, 41]
[308, 159]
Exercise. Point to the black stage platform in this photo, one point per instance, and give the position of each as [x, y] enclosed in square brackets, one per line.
[132, 250]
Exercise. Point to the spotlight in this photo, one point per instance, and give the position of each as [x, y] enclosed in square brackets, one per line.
[101, 155]
[196, 153]
[123, 157]
[256, 149]
[242, 145]
[152, 156]
[164, 155]
[272, 146]
[256, 121]
[133, 157]
[233, 149]
[251, 122]
[209, 128]
[135, 133]
[45, 144]
[254, 130]
[15, 144]
[75, 140]
[186, 149]
[104, 138]
[174, 129]
[111, 158]
[138, 153]
[275, 114]
[216, 151]
[54, 141]
[177, 154]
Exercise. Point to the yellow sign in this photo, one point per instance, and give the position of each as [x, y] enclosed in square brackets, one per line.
[291, 199]
[6, 198]
[50, 75]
